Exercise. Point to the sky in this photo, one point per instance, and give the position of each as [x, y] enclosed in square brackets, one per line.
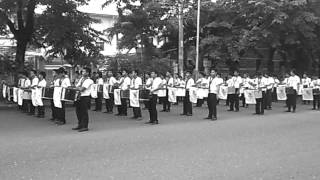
[95, 7]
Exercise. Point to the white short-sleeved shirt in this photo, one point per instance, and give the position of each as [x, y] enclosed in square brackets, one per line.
[86, 84]
[170, 82]
[214, 84]
[56, 82]
[270, 82]
[35, 81]
[261, 82]
[156, 83]
[293, 81]
[27, 83]
[126, 83]
[205, 82]
[236, 81]
[42, 83]
[189, 83]
[111, 81]
[136, 82]
[246, 82]
[306, 81]
[65, 83]
[99, 81]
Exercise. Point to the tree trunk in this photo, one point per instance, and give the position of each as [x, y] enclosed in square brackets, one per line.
[270, 60]
[20, 57]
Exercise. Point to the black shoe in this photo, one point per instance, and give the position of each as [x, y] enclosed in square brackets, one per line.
[148, 122]
[236, 110]
[168, 110]
[256, 113]
[183, 114]
[261, 114]
[208, 118]
[139, 118]
[83, 130]
[52, 119]
[189, 115]
[76, 128]
[314, 109]
[95, 110]
[230, 109]
[59, 123]
[154, 123]
[214, 119]
[133, 117]
[163, 111]
[287, 111]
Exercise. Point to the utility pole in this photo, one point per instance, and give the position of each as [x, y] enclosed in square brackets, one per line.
[180, 49]
[198, 37]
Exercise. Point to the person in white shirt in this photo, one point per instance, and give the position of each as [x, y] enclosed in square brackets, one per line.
[111, 81]
[268, 96]
[168, 80]
[274, 92]
[187, 105]
[293, 83]
[148, 83]
[136, 84]
[235, 82]
[315, 85]
[154, 88]
[20, 85]
[245, 85]
[54, 83]
[124, 85]
[214, 84]
[82, 104]
[260, 84]
[306, 82]
[26, 94]
[64, 82]
[202, 82]
[98, 100]
[42, 83]
[34, 83]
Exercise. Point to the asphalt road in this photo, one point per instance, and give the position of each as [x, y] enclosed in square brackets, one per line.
[239, 146]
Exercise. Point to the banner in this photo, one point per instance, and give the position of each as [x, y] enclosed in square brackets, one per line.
[94, 91]
[20, 97]
[57, 97]
[307, 94]
[117, 97]
[281, 93]
[172, 97]
[202, 93]
[39, 96]
[33, 97]
[193, 94]
[258, 94]
[134, 98]
[231, 90]
[4, 91]
[106, 91]
[162, 93]
[181, 92]
[249, 96]
[223, 92]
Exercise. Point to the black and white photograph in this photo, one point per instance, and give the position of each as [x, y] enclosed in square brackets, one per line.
[159, 89]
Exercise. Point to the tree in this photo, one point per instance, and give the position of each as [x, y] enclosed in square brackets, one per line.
[60, 27]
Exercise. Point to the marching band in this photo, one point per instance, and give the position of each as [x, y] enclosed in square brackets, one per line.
[135, 89]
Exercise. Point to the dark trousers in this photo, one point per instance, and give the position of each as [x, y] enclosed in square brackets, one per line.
[243, 99]
[292, 101]
[32, 109]
[61, 113]
[228, 100]
[109, 103]
[212, 105]
[153, 108]
[82, 111]
[268, 99]
[200, 102]
[136, 112]
[260, 104]
[98, 101]
[25, 105]
[316, 101]
[41, 111]
[53, 110]
[187, 105]
[274, 95]
[234, 102]
[123, 108]
[166, 103]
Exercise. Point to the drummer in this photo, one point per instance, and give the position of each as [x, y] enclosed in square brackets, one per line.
[136, 84]
[187, 105]
[305, 81]
[200, 83]
[111, 82]
[64, 83]
[42, 84]
[168, 83]
[34, 84]
[155, 86]
[124, 85]
[54, 83]
[98, 100]
[268, 98]
[246, 80]
[82, 105]
[315, 84]
[260, 84]
[293, 82]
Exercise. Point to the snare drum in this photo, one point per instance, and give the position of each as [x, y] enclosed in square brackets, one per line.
[125, 94]
[69, 95]
[47, 92]
[144, 95]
